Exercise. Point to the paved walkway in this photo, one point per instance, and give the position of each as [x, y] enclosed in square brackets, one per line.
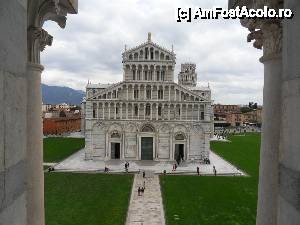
[146, 209]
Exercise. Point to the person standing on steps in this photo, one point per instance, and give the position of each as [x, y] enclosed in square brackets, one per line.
[144, 174]
[139, 191]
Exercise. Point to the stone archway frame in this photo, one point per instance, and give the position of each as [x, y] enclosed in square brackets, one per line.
[182, 129]
[114, 127]
[152, 134]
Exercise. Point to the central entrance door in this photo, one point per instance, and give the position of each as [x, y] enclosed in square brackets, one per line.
[179, 152]
[147, 148]
[115, 150]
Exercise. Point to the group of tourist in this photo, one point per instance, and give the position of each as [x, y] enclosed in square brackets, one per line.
[106, 169]
[206, 161]
[214, 171]
[142, 189]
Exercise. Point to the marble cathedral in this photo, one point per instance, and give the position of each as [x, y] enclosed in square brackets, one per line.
[148, 116]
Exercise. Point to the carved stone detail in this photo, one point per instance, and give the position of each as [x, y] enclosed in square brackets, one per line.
[39, 12]
[266, 33]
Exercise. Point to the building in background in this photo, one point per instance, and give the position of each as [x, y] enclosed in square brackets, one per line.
[148, 116]
[236, 115]
[61, 118]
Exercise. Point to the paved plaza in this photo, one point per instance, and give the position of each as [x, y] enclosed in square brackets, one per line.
[77, 163]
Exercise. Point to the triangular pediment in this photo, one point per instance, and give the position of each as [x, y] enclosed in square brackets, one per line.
[149, 45]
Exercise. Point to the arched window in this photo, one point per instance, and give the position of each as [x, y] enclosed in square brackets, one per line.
[179, 137]
[147, 128]
[115, 134]
[148, 111]
[159, 110]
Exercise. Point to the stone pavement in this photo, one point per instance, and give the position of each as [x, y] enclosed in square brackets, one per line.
[77, 163]
[146, 209]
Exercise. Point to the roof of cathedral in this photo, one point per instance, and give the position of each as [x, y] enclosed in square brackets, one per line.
[89, 85]
[150, 42]
[198, 88]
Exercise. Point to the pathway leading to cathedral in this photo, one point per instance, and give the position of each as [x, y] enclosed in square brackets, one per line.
[146, 209]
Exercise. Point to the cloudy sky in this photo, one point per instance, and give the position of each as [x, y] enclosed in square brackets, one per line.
[90, 46]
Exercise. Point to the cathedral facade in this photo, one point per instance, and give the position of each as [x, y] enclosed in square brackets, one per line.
[148, 116]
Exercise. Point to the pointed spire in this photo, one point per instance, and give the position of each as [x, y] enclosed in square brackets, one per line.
[172, 48]
[149, 36]
[125, 47]
[208, 84]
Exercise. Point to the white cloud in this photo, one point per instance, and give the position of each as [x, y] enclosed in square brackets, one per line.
[90, 47]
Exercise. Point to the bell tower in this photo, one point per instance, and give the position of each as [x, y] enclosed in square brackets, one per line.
[188, 76]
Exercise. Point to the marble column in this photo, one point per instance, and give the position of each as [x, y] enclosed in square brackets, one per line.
[151, 111]
[121, 110]
[268, 185]
[34, 154]
[103, 111]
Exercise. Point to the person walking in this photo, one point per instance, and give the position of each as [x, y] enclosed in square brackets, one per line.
[214, 170]
[144, 174]
[198, 171]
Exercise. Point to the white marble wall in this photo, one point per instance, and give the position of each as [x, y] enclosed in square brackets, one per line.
[98, 139]
[13, 112]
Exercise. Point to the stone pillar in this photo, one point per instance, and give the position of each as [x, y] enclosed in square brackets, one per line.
[121, 110]
[175, 94]
[144, 111]
[169, 108]
[169, 92]
[37, 38]
[270, 35]
[151, 111]
[109, 105]
[103, 110]
[126, 111]
[180, 112]
[132, 86]
[97, 110]
[34, 154]
[127, 87]
[156, 111]
[186, 111]
[289, 166]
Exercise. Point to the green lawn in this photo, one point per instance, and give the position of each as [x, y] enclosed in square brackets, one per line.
[216, 200]
[57, 149]
[86, 199]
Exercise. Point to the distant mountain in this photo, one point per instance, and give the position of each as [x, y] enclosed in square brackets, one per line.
[57, 94]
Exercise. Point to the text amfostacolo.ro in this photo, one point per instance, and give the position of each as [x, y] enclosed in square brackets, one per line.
[189, 14]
